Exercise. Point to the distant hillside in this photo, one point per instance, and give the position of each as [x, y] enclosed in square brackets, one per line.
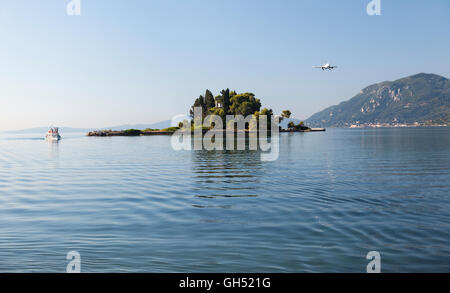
[422, 98]
[158, 125]
[45, 129]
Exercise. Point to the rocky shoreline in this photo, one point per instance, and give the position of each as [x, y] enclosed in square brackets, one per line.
[136, 132]
[124, 133]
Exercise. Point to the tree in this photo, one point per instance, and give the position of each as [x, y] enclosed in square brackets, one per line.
[184, 123]
[209, 100]
[232, 104]
[300, 126]
[266, 112]
[220, 112]
[244, 104]
[286, 114]
[200, 102]
[226, 100]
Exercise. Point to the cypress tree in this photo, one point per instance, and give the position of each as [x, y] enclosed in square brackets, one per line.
[226, 100]
[209, 100]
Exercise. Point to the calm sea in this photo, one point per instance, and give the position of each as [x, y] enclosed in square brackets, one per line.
[132, 204]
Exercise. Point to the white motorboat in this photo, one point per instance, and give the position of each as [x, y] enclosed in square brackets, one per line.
[53, 134]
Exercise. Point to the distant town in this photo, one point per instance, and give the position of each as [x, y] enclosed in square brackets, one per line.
[377, 125]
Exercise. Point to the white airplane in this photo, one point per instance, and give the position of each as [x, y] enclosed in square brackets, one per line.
[325, 66]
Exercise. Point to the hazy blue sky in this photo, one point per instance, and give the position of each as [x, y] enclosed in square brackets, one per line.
[144, 61]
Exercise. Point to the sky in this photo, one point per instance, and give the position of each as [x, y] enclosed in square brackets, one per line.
[144, 61]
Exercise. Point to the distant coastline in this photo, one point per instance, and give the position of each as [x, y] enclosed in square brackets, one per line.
[390, 125]
[171, 130]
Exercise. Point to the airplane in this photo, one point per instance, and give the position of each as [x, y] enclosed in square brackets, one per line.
[325, 66]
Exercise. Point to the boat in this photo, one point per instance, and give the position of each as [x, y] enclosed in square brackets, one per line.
[53, 134]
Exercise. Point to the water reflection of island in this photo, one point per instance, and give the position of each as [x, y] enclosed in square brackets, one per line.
[226, 174]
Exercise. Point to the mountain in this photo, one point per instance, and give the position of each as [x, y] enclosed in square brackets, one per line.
[422, 98]
[45, 129]
[158, 125]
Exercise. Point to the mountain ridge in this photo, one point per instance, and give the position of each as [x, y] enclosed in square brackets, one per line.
[158, 125]
[422, 98]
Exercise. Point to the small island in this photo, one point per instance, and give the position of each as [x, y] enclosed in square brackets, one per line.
[227, 103]
[133, 132]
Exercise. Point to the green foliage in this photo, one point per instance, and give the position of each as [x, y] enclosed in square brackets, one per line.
[268, 113]
[209, 100]
[193, 127]
[173, 128]
[199, 102]
[285, 114]
[226, 100]
[132, 132]
[244, 104]
[184, 123]
[218, 111]
[300, 126]
[232, 103]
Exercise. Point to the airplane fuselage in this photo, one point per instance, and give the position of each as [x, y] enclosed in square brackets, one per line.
[325, 66]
